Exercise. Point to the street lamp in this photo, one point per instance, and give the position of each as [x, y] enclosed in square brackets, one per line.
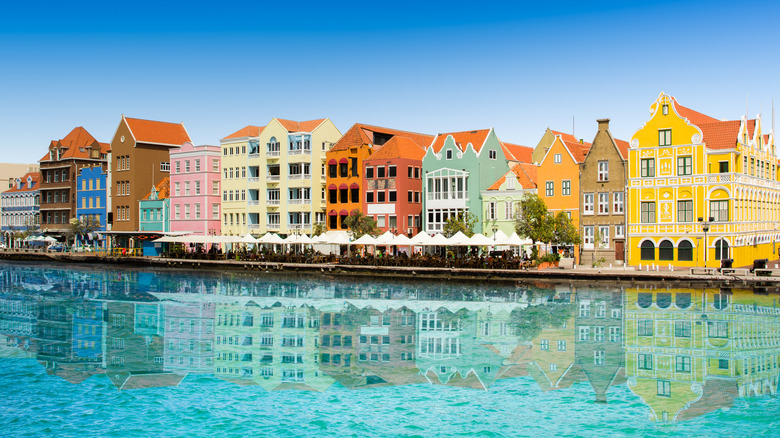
[705, 226]
[495, 230]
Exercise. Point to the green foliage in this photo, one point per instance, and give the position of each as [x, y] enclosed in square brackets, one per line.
[528, 323]
[532, 221]
[564, 231]
[318, 228]
[361, 224]
[464, 224]
[550, 258]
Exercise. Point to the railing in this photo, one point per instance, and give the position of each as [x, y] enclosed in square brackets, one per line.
[446, 197]
[273, 154]
[299, 226]
[273, 226]
[272, 178]
[300, 201]
[300, 176]
[253, 179]
[253, 202]
[253, 226]
[299, 152]
[273, 202]
[254, 156]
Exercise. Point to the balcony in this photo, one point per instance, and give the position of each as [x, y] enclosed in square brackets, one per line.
[253, 179]
[272, 202]
[273, 226]
[272, 178]
[300, 201]
[300, 176]
[273, 154]
[253, 202]
[253, 226]
[299, 226]
[254, 156]
[299, 152]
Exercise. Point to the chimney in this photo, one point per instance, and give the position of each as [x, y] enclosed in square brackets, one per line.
[603, 124]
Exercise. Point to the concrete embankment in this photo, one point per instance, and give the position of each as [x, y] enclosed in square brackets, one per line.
[593, 276]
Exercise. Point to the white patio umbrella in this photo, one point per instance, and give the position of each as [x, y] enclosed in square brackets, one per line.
[438, 240]
[402, 240]
[338, 239]
[365, 239]
[480, 239]
[248, 238]
[385, 239]
[499, 237]
[322, 238]
[515, 240]
[420, 238]
[459, 239]
[271, 238]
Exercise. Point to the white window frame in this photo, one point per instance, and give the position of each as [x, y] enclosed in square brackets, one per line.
[587, 203]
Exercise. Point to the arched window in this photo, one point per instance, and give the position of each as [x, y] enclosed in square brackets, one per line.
[647, 250]
[663, 299]
[683, 300]
[721, 249]
[666, 250]
[644, 299]
[685, 251]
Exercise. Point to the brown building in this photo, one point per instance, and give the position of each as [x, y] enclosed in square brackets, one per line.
[59, 168]
[603, 199]
[140, 158]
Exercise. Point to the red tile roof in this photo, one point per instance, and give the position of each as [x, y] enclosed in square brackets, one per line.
[247, 131]
[622, 146]
[565, 136]
[694, 117]
[76, 145]
[150, 131]
[36, 176]
[462, 139]
[307, 126]
[400, 147]
[578, 150]
[163, 189]
[724, 135]
[517, 153]
[360, 134]
[525, 174]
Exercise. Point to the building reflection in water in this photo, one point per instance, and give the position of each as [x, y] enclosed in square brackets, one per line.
[684, 352]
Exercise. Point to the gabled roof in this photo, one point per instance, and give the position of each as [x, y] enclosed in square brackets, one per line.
[525, 174]
[307, 126]
[163, 189]
[400, 147]
[360, 134]
[154, 132]
[694, 117]
[724, 135]
[578, 150]
[36, 176]
[247, 131]
[462, 139]
[76, 145]
[515, 152]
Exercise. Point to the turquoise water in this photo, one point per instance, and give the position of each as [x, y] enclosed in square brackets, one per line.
[476, 359]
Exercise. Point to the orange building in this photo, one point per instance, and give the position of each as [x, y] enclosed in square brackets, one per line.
[558, 177]
[344, 163]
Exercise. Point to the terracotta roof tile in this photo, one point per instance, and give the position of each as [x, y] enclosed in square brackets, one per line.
[400, 147]
[565, 136]
[163, 189]
[247, 131]
[150, 131]
[75, 145]
[525, 174]
[622, 146]
[360, 134]
[694, 117]
[462, 139]
[517, 153]
[724, 135]
[36, 177]
[307, 126]
[578, 150]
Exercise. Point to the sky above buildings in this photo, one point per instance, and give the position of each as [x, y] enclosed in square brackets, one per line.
[424, 67]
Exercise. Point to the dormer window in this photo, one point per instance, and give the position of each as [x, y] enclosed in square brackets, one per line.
[492, 154]
[665, 109]
[510, 183]
[449, 154]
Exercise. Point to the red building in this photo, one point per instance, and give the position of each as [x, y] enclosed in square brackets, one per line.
[392, 184]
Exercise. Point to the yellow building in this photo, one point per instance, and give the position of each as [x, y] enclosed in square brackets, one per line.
[693, 351]
[235, 150]
[689, 172]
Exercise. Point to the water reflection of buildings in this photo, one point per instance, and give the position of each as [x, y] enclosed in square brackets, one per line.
[690, 351]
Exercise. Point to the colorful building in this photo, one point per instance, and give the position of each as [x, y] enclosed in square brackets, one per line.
[154, 209]
[345, 162]
[501, 201]
[195, 194]
[20, 208]
[236, 148]
[558, 178]
[91, 199]
[603, 195]
[457, 167]
[59, 169]
[701, 190]
[392, 184]
[140, 160]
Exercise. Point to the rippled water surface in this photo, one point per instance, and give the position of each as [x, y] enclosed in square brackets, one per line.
[128, 352]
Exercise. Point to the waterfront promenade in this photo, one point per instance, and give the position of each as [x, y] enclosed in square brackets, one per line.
[697, 277]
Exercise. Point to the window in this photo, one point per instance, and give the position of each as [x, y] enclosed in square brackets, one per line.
[449, 154]
[197, 165]
[719, 210]
[684, 166]
[587, 236]
[197, 187]
[544, 344]
[644, 361]
[561, 345]
[587, 203]
[492, 154]
[647, 167]
[549, 188]
[666, 250]
[682, 329]
[685, 251]
[664, 137]
[617, 202]
[369, 197]
[380, 172]
[604, 236]
[392, 197]
[391, 172]
[215, 188]
[603, 203]
[491, 211]
[647, 215]
[584, 333]
[644, 327]
[598, 358]
[215, 211]
[664, 388]
[558, 158]
[369, 172]
[178, 167]
[665, 109]
[721, 249]
[603, 170]
[509, 210]
[647, 250]
[684, 211]
[565, 187]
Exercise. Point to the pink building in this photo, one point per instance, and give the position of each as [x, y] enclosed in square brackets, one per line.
[195, 192]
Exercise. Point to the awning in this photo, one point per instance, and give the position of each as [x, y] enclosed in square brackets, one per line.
[354, 186]
[343, 186]
[343, 213]
[332, 162]
[332, 213]
[332, 187]
[343, 161]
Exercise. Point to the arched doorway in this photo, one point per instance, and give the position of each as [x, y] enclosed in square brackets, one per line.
[721, 249]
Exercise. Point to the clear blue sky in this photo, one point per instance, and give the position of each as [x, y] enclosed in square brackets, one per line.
[421, 67]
